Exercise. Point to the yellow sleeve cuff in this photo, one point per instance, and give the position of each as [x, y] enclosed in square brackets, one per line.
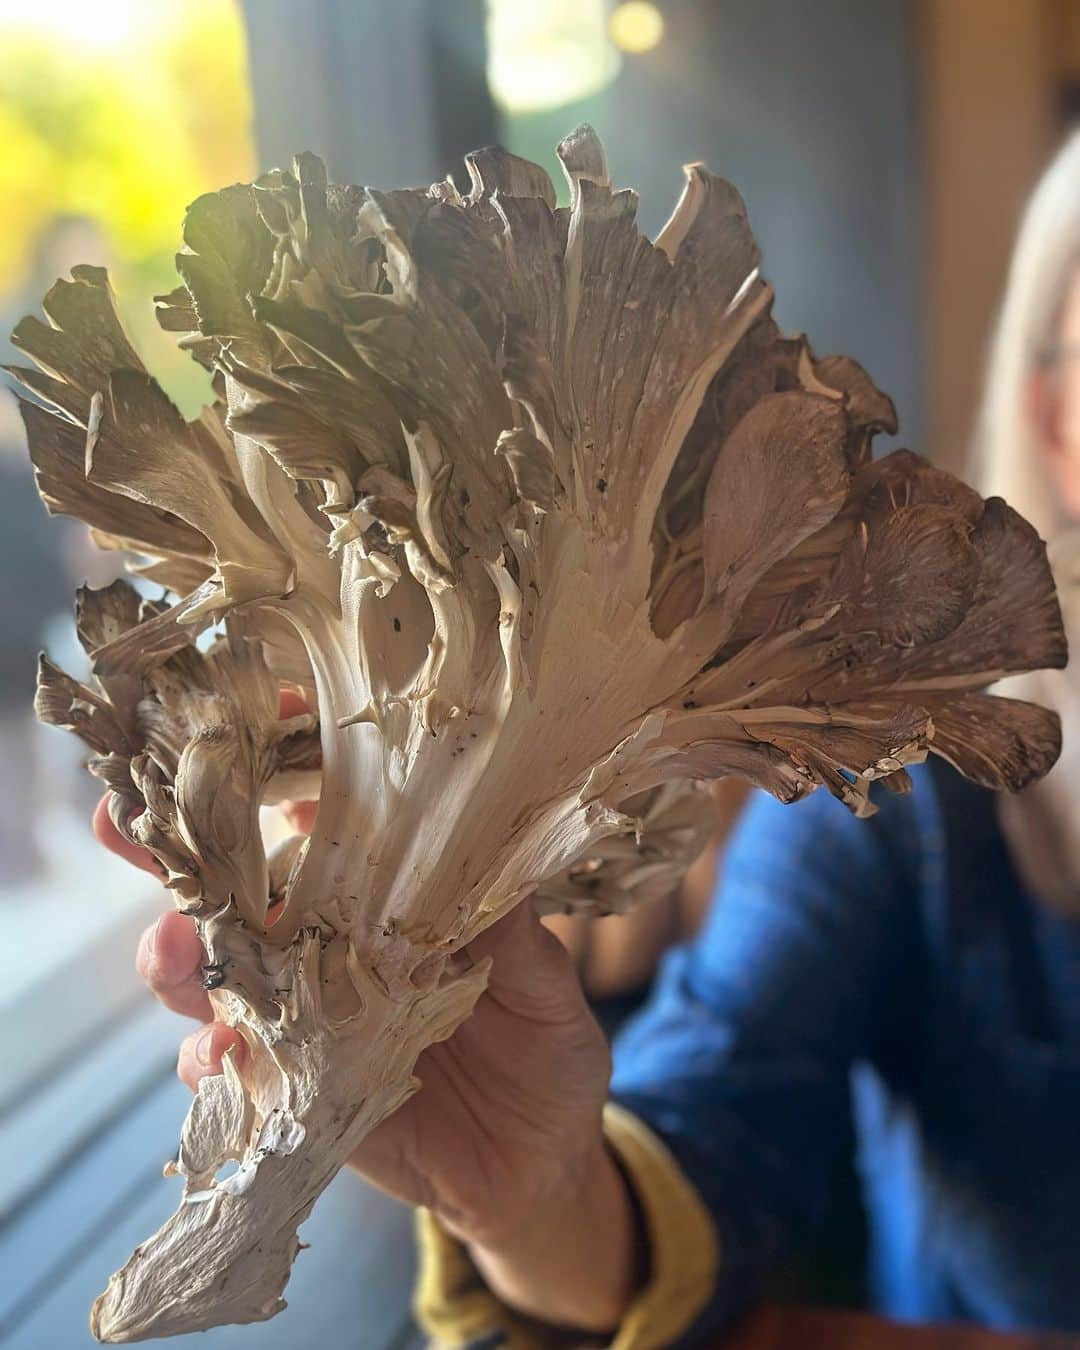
[454, 1306]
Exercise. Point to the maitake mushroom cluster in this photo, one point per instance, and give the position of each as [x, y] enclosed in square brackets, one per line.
[551, 524]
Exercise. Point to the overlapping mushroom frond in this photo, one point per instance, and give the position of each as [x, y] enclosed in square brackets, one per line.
[488, 396]
[551, 523]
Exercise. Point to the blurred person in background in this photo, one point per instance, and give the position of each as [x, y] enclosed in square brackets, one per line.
[909, 979]
[1028, 451]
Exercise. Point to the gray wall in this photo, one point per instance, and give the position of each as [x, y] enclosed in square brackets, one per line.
[809, 106]
[389, 92]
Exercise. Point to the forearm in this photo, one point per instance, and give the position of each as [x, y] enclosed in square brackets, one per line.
[581, 1257]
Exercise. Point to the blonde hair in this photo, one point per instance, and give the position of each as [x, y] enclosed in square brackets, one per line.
[1007, 462]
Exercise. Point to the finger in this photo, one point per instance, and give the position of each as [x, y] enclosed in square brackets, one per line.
[170, 958]
[527, 960]
[201, 1052]
[106, 833]
[291, 704]
[513, 939]
[300, 815]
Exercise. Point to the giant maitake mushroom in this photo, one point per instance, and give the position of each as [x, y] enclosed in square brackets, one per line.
[551, 524]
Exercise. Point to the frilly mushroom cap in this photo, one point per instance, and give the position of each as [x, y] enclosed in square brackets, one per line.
[550, 523]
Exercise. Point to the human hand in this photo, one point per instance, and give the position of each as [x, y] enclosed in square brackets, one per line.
[504, 1140]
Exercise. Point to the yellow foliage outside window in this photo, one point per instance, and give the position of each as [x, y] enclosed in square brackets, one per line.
[114, 115]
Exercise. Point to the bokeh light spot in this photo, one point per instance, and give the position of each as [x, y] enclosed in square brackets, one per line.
[636, 26]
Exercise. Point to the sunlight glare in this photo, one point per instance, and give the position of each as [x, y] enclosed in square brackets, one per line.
[545, 55]
[99, 24]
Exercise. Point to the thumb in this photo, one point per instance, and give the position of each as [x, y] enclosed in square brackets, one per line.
[529, 964]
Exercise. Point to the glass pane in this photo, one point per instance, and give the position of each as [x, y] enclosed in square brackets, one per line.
[113, 116]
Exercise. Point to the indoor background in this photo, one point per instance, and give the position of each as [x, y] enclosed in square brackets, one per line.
[884, 148]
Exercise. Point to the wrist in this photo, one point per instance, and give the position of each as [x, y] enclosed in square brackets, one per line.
[576, 1259]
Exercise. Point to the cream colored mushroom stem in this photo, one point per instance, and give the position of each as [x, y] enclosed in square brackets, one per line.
[313, 1086]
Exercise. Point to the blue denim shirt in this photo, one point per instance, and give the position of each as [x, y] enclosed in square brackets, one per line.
[899, 957]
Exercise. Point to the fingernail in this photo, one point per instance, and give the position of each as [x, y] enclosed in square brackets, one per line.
[152, 937]
[204, 1047]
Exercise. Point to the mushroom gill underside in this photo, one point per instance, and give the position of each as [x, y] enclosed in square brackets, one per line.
[549, 525]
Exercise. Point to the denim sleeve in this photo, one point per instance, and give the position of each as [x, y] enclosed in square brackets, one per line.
[740, 1060]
